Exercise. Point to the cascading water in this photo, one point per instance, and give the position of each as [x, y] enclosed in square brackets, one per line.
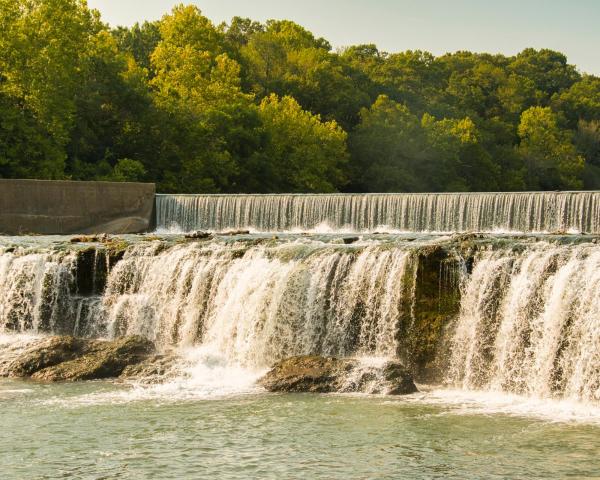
[433, 212]
[34, 290]
[253, 305]
[530, 323]
[262, 304]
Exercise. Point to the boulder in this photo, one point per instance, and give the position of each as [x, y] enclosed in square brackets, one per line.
[90, 238]
[154, 369]
[198, 235]
[104, 360]
[231, 233]
[399, 379]
[48, 353]
[326, 374]
[304, 374]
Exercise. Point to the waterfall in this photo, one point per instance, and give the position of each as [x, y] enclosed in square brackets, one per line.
[34, 290]
[527, 316]
[433, 212]
[38, 293]
[252, 304]
[530, 323]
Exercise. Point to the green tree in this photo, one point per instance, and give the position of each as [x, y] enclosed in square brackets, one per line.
[301, 153]
[139, 41]
[213, 122]
[550, 157]
[581, 101]
[456, 159]
[587, 140]
[517, 94]
[190, 106]
[548, 69]
[386, 149]
[286, 59]
[43, 44]
[413, 78]
[128, 170]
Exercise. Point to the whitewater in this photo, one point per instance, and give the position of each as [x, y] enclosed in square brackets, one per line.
[501, 330]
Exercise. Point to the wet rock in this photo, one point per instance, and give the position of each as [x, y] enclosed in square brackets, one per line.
[326, 374]
[349, 240]
[104, 360]
[304, 374]
[235, 232]
[198, 235]
[399, 379]
[48, 353]
[154, 369]
[90, 238]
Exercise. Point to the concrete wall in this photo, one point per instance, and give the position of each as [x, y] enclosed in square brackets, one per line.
[65, 207]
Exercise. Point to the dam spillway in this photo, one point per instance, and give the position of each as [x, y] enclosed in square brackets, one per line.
[521, 212]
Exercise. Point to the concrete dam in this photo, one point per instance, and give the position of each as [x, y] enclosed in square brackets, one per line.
[68, 207]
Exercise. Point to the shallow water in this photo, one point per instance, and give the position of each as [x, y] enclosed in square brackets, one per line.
[96, 430]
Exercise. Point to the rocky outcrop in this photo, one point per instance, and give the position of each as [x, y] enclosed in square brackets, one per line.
[325, 374]
[198, 235]
[154, 369]
[434, 301]
[48, 353]
[108, 360]
[70, 359]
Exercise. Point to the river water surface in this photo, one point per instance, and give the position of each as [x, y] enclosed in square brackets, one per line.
[97, 430]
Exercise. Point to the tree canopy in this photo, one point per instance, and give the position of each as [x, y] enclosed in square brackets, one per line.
[247, 106]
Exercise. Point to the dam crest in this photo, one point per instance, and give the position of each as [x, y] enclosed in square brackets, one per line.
[522, 212]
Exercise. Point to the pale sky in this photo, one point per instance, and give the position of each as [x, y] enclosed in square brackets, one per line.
[439, 26]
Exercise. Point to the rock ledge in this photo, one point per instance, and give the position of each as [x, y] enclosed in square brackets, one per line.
[326, 374]
[71, 359]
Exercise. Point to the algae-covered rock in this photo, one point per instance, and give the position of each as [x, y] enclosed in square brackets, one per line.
[105, 360]
[90, 238]
[48, 353]
[304, 374]
[326, 374]
[198, 235]
[434, 303]
[154, 369]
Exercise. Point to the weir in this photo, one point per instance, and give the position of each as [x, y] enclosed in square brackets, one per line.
[422, 212]
[474, 312]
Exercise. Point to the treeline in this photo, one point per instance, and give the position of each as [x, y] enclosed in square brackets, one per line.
[252, 107]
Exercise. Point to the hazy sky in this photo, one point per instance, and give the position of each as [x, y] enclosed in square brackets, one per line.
[439, 26]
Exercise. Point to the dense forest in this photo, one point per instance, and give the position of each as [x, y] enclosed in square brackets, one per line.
[253, 107]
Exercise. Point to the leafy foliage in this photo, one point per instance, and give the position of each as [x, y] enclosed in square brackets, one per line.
[253, 107]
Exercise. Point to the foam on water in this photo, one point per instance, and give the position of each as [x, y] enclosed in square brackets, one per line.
[476, 402]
